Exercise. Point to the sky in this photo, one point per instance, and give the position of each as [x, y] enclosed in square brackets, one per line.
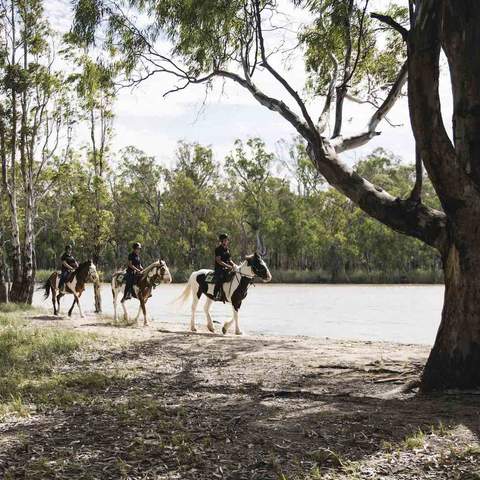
[154, 123]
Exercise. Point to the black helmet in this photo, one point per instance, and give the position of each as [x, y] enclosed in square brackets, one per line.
[136, 245]
[223, 236]
[68, 247]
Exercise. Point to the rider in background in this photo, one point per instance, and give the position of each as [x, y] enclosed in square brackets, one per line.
[69, 265]
[134, 267]
[223, 264]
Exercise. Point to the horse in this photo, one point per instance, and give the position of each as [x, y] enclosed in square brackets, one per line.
[75, 285]
[235, 289]
[152, 276]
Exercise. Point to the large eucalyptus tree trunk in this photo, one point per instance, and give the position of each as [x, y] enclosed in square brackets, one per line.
[454, 168]
[454, 361]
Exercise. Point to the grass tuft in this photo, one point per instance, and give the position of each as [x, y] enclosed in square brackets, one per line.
[28, 359]
[415, 441]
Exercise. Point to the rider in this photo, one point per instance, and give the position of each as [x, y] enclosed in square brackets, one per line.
[223, 264]
[69, 265]
[134, 268]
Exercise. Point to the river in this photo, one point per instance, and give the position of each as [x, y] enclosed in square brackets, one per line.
[395, 313]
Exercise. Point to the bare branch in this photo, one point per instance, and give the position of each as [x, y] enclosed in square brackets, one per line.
[416, 193]
[342, 144]
[274, 72]
[271, 103]
[391, 23]
[323, 119]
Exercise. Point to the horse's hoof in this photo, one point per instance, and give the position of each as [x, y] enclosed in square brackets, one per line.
[238, 332]
[224, 330]
[193, 329]
[210, 328]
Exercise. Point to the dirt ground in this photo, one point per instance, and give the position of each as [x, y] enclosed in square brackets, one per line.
[154, 403]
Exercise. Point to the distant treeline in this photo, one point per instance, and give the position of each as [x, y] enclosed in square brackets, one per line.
[311, 232]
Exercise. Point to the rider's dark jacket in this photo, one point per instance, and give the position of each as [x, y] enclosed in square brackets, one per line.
[136, 262]
[69, 259]
[224, 254]
[130, 275]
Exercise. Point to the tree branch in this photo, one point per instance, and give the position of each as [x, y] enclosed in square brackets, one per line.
[271, 103]
[450, 180]
[324, 116]
[343, 144]
[391, 23]
[416, 220]
[275, 74]
[416, 193]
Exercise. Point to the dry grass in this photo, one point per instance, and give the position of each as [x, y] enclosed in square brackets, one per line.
[198, 407]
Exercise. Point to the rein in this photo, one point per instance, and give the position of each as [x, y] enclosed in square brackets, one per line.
[240, 274]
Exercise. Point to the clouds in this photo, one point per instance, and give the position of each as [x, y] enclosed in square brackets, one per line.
[154, 123]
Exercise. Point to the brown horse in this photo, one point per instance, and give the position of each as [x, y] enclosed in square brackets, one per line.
[74, 285]
[153, 275]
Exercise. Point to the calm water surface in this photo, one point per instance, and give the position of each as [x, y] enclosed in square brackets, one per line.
[398, 313]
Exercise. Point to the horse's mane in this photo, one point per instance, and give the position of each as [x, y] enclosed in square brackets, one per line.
[157, 263]
[83, 264]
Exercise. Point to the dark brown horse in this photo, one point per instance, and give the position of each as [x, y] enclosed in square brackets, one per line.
[75, 285]
[153, 275]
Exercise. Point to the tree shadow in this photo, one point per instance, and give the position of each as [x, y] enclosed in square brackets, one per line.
[199, 408]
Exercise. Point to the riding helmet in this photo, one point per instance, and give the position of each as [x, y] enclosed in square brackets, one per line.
[223, 236]
[137, 245]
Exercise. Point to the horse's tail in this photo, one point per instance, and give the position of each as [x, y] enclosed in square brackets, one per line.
[183, 297]
[47, 287]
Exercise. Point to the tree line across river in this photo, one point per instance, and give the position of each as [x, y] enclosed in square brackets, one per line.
[311, 232]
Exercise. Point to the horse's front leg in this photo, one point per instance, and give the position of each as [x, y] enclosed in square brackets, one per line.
[114, 294]
[226, 325]
[125, 313]
[58, 297]
[73, 304]
[206, 309]
[235, 318]
[76, 300]
[139, 311]
[54, 302]
[144, 309]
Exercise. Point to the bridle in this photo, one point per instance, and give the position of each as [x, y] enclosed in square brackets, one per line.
[156, 279]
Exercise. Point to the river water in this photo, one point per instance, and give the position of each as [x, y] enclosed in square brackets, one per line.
[395, 313]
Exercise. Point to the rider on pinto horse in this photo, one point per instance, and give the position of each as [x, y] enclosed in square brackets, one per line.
[223, 265]
[134, 267]
[69, 265]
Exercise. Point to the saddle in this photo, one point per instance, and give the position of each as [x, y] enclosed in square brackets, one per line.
[210, 277]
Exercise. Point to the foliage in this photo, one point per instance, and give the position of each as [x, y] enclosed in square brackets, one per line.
[177, 214]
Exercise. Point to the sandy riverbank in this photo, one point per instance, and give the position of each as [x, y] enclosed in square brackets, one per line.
[176, 405]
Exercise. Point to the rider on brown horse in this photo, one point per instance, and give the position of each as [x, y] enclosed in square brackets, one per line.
[134, 267]
[69, 265]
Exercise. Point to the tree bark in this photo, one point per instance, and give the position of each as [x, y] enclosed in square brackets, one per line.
[3, 280]
[455, 358]
[453, 169]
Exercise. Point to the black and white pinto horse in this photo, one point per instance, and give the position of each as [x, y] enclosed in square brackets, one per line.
[75, 285]
[152, 276]
[236, 289]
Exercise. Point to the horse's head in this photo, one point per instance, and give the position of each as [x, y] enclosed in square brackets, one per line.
[92, 271]
[89, 266]
[159, 273]
[258, 267]
[87, 271]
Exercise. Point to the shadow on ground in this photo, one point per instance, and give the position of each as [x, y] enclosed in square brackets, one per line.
[205, 407]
